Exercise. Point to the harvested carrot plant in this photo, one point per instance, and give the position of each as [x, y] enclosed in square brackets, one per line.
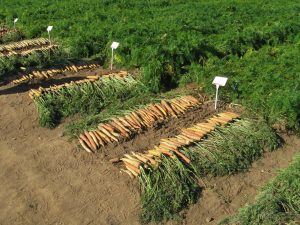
[220, 146]
[39, 75]
[86, 96]
[123, 127]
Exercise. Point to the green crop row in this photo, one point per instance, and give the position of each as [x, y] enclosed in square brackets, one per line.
[277, 203]
[267, 81]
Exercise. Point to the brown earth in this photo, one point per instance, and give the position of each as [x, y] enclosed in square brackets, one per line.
[47, 180]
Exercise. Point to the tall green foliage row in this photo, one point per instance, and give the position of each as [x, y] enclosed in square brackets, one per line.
[85, 99]
[277, 203]
[161, 36]
[267, 81]
[171, 187]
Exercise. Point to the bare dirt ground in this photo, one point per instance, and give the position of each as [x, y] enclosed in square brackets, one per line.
[47, 180]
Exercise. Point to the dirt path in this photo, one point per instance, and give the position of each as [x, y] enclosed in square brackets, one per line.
[47, 180]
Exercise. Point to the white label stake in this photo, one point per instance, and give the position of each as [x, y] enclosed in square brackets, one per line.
[49, 28]
[219, 81]
[113, 46]
[15, 20]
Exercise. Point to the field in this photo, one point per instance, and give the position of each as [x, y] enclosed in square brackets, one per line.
[141, 143]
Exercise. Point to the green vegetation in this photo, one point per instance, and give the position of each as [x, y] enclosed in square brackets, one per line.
[12, 35]
[88, 98]
[267, 81]
[253, 42]
[171, 187]
[277, 203]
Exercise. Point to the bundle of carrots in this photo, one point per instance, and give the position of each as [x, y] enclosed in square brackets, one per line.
[46, 74]
[25, 47]
[33, 93]
[171, 146]
[122, 127]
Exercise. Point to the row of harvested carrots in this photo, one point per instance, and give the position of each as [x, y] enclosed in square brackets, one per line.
[123, 127]
[24, 44]
[26, 52]
[51, 73]
[171, 146]
[33, 93]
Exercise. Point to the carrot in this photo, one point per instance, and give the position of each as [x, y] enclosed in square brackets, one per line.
[131, 122]
[110, 129]
[128, 172]
[93, 144]
[136, 116]
[152, 161]
[103, 136]
[165, 104]
[154, 152]
[84, 138]
[86, 148]
[158, 106]
[133, 170]
[139, 157]
[131, 116]
[107, 133]
[186, 159]
[163, 150]
[125, 123]
[114, 160]
[120, 125]
[94, 138]
[101, 142]
[131, 162]
[119, 128]
[187, 139]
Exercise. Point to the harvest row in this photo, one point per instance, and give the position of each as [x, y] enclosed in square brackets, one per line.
[55, 88]
[171, 146]
[45, 74]
[122, 127]
[25, 47]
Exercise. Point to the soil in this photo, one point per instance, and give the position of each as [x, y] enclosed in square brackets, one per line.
[47, 180]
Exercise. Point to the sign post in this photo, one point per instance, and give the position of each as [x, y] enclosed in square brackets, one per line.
[15, 21]
[49, 28]
[113, 46]
[219, 81]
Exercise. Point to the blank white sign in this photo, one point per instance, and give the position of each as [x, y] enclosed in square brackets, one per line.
[49, 28]
[115, 45]
[15, 20]
[221, 81]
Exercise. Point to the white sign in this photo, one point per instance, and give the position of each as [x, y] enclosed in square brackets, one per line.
[49, 28]
[16, 20]
[115, 45]
[219, 81]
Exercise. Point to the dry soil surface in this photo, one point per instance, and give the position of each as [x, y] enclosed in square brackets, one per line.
[47, 180]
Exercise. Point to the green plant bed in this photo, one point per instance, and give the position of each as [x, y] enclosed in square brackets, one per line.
[171, 187]
[277, 203]
[85, 99]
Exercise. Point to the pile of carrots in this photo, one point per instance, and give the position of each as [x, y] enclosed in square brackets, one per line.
[123, 127]
[171, 146]
[25, 47]
[51, 73]
[33, 93]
